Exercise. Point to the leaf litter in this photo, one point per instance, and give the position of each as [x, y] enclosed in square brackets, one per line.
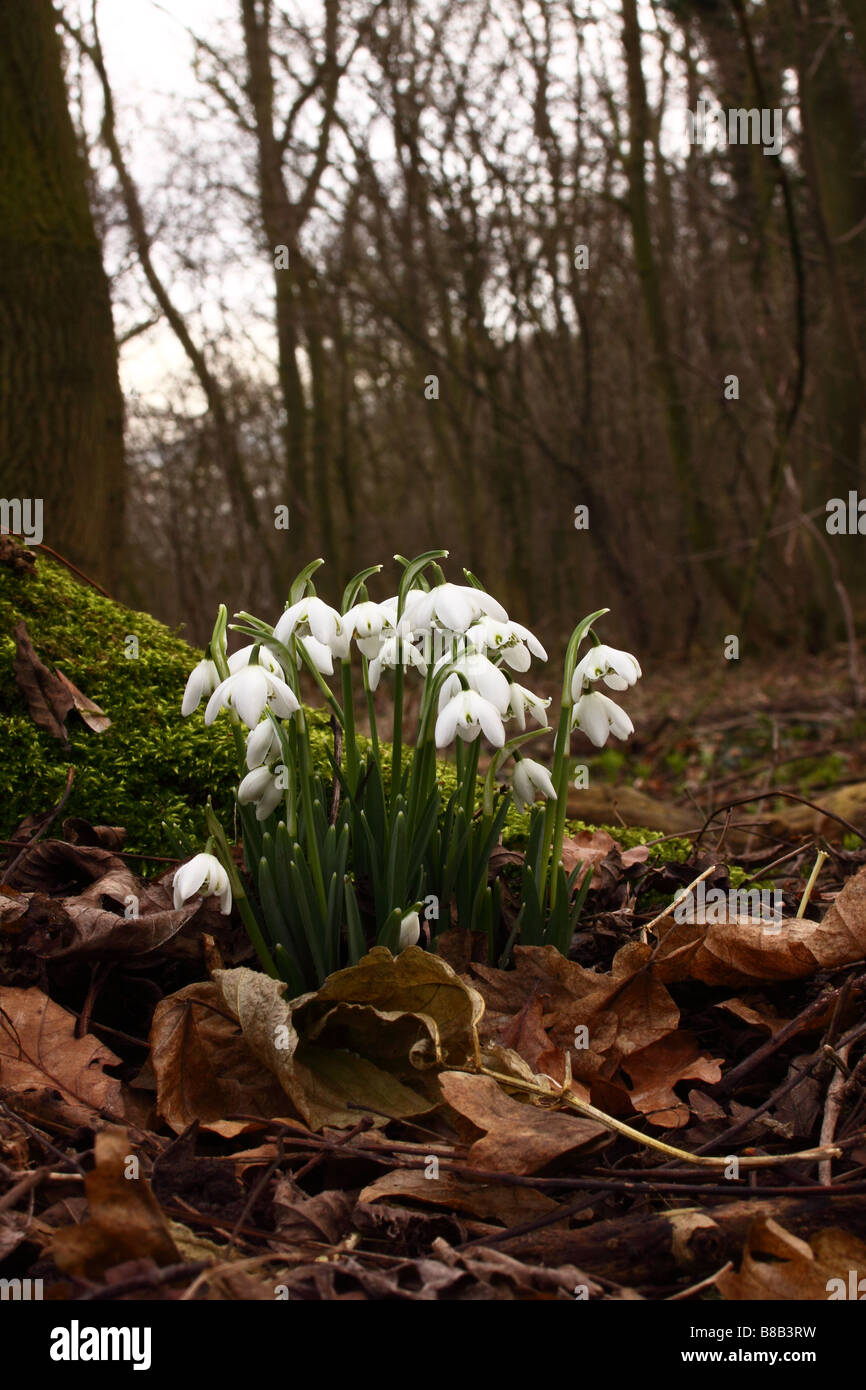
[428, 1126]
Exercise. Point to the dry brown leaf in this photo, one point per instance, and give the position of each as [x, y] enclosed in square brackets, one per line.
[204, 1070]
[306, 1223]
[655, 1070]
[486, 1201]
[39, 1051]
[94, 717]
[778, 1265]
[519, 1137]
[330, 1085]
[47, 699]
[598, 850]
[50, 695]
[745, 949]
[125, 1223]
[416, 983]
[525, 1034]
[758, 1014]
[55, 867]
[622, 1011]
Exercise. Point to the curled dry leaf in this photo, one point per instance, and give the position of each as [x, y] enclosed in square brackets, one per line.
[327, 1084]
[527, 1036]
[237, 1046]
[117, 917]
[125, 1223]
[47, 699]
[53, 866]
[204, 1070]
[779, 1265]
[50, 695]
[40, 1053]
[94, 717]
[304, 1222]
[744, 949]
[416, 983]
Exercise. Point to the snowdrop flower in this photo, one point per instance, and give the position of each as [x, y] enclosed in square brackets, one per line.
[365, 622]
[322, 621]
[466, 715]
[203, 680]
[520, 700]
[455, 607]
[410, 931]
[389, 608]
[619, 670]
[263, 744]
[203, 874]
[241, 658]
[395, 651]
[482, 676]
[321, 655]
[248, 691]
[597, 716]
[530, 779]
[515, 642]
[261, 786]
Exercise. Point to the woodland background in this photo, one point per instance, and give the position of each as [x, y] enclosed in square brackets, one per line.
[431, 166]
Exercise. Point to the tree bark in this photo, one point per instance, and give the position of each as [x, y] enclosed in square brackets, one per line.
[61, 409]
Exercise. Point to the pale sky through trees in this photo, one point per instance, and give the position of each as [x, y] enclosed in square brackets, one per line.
[149, 56]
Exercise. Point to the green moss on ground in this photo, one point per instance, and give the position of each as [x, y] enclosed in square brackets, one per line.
[151, 771]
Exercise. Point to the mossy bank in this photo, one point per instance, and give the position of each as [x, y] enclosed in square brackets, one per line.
[152, 770]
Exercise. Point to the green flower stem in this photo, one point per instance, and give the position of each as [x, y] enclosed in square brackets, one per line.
[554, 812]
[397, 736]
[371, 707]
[560, 782]
[351, 742]
[311, 839]
[239, 895]
[470, 776]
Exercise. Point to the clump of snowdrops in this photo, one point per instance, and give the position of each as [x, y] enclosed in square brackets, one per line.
[338, 864]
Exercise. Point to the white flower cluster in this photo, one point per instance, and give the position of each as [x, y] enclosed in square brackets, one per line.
[475, 638]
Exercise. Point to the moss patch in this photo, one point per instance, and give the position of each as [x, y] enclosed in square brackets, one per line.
[152, 771]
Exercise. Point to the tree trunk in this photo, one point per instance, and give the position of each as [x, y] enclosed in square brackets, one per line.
[61, 409]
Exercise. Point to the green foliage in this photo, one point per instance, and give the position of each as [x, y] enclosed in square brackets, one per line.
[151, 766]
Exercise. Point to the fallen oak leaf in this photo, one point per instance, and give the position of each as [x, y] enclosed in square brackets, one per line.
[526, 1035]
[600, 854]
[597, 1018]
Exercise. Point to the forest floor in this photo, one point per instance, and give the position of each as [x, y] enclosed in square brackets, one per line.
[678, 1111]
